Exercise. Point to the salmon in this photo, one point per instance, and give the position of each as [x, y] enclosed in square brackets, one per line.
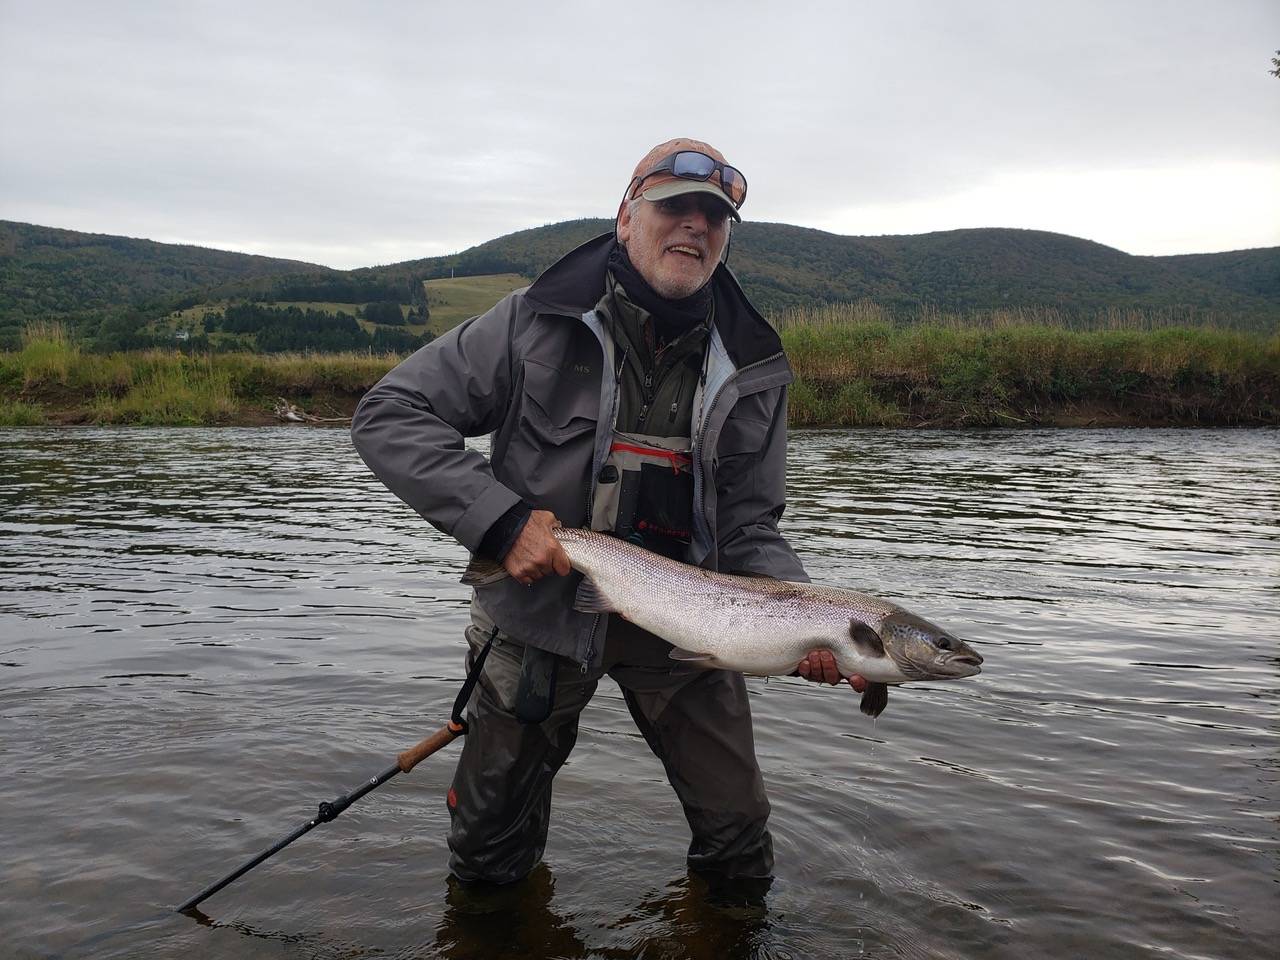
[756, 625]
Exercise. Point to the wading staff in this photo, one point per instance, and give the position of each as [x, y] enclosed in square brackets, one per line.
[406, 761]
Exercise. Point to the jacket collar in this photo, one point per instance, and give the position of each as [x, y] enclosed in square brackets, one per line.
[573, 284]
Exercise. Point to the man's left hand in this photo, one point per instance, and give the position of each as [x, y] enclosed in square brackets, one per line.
[820, 667]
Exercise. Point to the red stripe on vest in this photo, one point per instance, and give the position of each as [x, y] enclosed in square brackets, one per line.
[677, 460]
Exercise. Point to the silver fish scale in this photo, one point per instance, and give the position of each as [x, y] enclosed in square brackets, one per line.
[756, 625]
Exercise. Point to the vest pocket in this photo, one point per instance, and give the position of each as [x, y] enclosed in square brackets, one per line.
[644, 494]
[662, 509]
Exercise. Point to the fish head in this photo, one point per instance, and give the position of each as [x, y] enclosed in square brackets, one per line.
[924, 651]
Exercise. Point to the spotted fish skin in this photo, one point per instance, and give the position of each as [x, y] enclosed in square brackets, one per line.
[760, 626]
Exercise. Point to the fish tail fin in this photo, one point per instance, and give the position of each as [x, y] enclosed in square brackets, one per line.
[482, 571]
[589, 599]
[874, 699]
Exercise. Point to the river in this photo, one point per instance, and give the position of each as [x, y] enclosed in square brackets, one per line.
[204, 632]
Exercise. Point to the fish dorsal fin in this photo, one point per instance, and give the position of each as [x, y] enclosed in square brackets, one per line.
[482, 571]
[874, 699]
[589, 599]
[865, 639]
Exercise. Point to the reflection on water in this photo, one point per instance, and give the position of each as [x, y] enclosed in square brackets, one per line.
[205, 632]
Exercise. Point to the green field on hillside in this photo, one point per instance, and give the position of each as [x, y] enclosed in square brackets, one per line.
[454, 299]
[450, 300]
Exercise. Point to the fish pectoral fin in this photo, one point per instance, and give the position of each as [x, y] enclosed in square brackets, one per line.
[482, 571]
[688, 656]
[874, 699]
[866, 640]
[589, 599]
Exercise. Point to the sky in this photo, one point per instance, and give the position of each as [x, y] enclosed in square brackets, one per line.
[357, 134]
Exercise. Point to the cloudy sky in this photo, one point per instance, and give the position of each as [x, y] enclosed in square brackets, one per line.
[359, 133]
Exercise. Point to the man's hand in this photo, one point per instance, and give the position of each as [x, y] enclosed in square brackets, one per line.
[536, 553]
[820, 667]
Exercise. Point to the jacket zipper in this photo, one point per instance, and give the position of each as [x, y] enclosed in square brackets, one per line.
[648, 398]
[656, 372]
[697, 458]
[591, 481]
[675, 404]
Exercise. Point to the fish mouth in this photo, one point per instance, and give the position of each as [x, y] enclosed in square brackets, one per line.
[966, 664]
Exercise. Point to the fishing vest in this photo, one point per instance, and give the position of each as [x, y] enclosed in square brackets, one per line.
[644, 491]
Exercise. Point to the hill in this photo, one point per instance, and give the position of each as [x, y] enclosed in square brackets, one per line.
[46, 272]
[1253, 273]
[783, 266]
[114, 290]
[87, 270]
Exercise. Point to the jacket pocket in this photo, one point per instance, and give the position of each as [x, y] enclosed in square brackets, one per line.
[741, 435]
[556, 407]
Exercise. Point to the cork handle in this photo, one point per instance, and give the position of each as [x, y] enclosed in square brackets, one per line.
[419, 752]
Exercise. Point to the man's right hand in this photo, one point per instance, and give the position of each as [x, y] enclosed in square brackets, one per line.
[820, 667]
[536, 553]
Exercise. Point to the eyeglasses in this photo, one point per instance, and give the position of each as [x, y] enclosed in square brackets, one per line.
[714, 210]
[692, 165]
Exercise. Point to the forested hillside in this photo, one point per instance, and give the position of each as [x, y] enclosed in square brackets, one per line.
[117, 292]
[1254, 273]
[956, 270]
[93, 278]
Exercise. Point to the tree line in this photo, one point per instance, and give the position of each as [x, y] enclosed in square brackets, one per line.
[282, 329]
[338, 289]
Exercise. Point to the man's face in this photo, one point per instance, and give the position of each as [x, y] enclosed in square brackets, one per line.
[675, 243]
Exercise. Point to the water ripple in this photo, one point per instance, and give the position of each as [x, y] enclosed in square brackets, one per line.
[207, 631]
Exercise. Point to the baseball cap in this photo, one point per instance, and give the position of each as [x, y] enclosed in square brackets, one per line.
[709, 177]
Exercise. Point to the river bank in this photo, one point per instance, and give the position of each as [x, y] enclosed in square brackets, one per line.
[847, 375]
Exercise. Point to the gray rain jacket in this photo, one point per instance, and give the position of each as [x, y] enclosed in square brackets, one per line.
[538, 372]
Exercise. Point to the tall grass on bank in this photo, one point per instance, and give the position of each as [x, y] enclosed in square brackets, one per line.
[191, 392]
[167, 387]
[15, 413]
[47, 353]
[1107, 318]
[853, 368]
[871, 373]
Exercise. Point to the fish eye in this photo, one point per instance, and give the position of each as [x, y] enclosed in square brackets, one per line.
[945, 643]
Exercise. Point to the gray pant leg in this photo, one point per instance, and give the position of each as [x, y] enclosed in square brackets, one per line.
[698, 723]
[500, 800]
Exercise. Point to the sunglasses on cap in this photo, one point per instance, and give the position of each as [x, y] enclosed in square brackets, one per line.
[692, 165]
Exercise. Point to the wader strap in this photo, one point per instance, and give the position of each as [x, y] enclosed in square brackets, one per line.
[458, 723]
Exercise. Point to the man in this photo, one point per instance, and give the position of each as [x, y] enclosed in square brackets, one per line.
[633, 389]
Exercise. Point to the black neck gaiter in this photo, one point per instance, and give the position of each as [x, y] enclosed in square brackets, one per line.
[670, 317]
